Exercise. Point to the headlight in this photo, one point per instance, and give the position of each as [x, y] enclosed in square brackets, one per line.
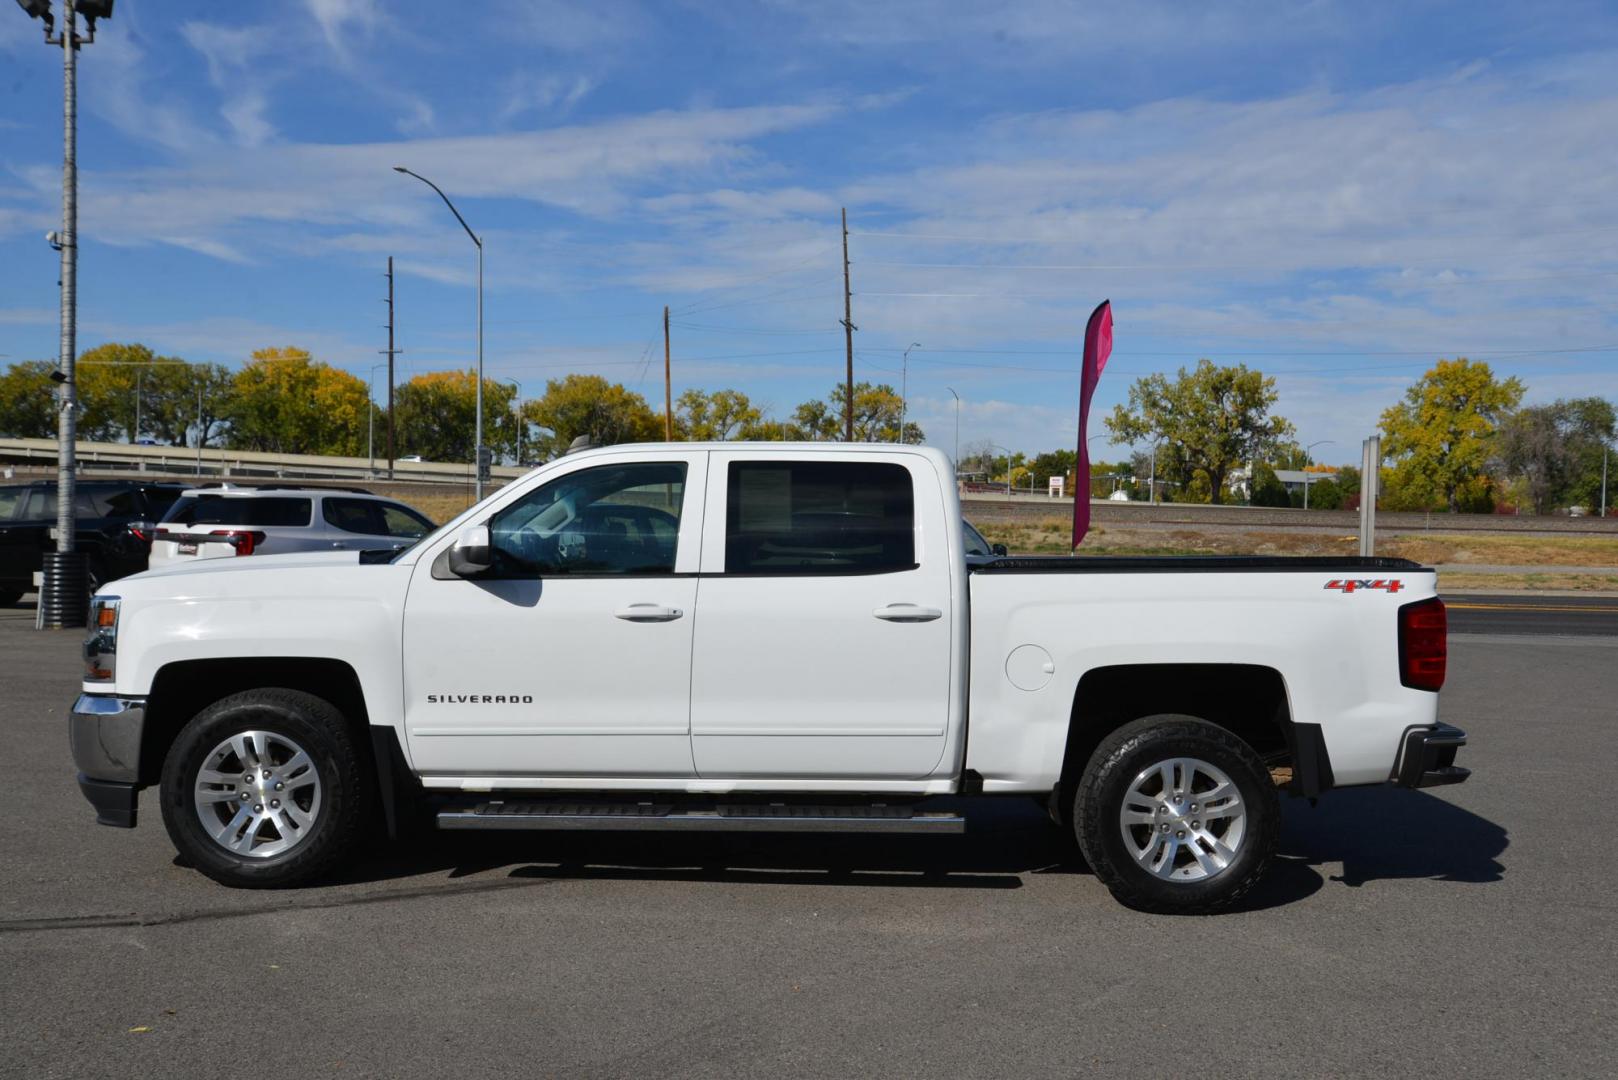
[101, 644]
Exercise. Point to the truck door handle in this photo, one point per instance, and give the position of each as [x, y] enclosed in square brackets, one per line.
[907, 613]
[648, 613]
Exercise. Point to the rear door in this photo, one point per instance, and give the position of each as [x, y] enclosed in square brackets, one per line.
[357, 524]
[823, 640]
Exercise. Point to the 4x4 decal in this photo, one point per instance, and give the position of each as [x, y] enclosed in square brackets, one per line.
[1349, 585]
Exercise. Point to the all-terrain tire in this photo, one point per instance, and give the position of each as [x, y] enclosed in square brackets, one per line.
[1131, 752]
[343, 773]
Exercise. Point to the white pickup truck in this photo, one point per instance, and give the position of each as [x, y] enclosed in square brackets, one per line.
[766, 636]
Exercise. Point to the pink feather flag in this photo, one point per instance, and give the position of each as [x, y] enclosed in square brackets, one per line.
[1097, 347]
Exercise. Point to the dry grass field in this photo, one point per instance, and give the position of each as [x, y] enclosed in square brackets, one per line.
[1050, 536]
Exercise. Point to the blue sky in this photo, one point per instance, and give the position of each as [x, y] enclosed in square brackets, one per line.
[1335, 193]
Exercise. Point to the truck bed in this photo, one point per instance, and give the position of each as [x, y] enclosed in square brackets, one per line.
[1189, 564]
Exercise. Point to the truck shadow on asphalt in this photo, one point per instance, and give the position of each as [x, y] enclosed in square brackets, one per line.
[1375, 834]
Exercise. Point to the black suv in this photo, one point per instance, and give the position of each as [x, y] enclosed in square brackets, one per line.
[113, 520]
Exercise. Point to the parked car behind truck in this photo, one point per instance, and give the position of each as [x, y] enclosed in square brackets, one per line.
[774, 636]
[112, 520]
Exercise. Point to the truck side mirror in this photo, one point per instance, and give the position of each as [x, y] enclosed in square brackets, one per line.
[470, 554]
[1000, 549]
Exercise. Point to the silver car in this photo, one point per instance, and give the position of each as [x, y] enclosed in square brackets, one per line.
[227, 522]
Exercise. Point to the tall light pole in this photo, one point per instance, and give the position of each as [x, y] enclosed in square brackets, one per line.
[1311, 446]
[904, 387]
[957, 397]
[518, 403]
[61, 598]
[997, 446]
[478, 452]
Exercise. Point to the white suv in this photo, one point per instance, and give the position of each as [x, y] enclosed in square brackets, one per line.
[225, 521]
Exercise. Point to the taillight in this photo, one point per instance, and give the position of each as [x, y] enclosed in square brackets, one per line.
[243, 541]
[1423, 644]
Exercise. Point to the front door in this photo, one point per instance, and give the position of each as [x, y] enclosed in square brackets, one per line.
[824, 648]
[571, 655]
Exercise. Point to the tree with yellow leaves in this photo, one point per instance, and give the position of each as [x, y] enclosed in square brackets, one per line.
[287, 402]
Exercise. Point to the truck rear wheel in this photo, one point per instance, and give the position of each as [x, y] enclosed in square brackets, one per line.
[1176, 815]
[265, 789]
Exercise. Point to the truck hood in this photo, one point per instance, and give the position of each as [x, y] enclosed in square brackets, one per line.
[248, 563]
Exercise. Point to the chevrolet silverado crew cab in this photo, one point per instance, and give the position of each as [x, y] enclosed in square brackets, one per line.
[737, 636]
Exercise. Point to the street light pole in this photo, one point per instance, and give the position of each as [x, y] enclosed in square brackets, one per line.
[477, 452]
[518, 403]
[61, 600]
[997, 446]
[904, 387]
[957, 458]
[1311, 446]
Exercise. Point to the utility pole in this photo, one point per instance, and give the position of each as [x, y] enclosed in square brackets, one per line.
[1604, 452]
[848, 334]
[392, 352]
[668, 390]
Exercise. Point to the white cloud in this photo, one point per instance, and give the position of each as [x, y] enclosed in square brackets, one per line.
[338, 19]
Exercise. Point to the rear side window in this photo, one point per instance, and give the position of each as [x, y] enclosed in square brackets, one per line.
[813, 517]
[10, 499]
[274, 510]
[372, 517]
[89, 502]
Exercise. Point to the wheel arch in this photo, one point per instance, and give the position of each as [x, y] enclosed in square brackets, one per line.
[1249, 700]
[183, 688]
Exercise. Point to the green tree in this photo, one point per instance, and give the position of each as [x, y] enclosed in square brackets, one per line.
[28, 400]
[1208, 421]
[1440, 436]
[589, 405]
[1266, 488]
[1061, 463]
[1555, 451]
[715, 417]
[877, 408]
[119, 383]
[435, 415]
[286, 402]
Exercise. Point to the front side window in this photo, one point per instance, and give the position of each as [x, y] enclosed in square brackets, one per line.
[819, 517]
[612, 519]
[10, 499]
[372, 517]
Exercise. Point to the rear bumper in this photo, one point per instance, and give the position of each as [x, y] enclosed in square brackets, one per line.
[105, 733]
[1427, 757]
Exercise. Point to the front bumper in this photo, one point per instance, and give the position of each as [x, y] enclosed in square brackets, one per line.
[105, 732]
[1427, 757]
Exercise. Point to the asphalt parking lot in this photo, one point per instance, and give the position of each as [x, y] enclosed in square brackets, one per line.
[1472, 931]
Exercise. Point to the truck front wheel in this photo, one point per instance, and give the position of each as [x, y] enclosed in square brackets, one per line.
[265, 789]
[1176, 815]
